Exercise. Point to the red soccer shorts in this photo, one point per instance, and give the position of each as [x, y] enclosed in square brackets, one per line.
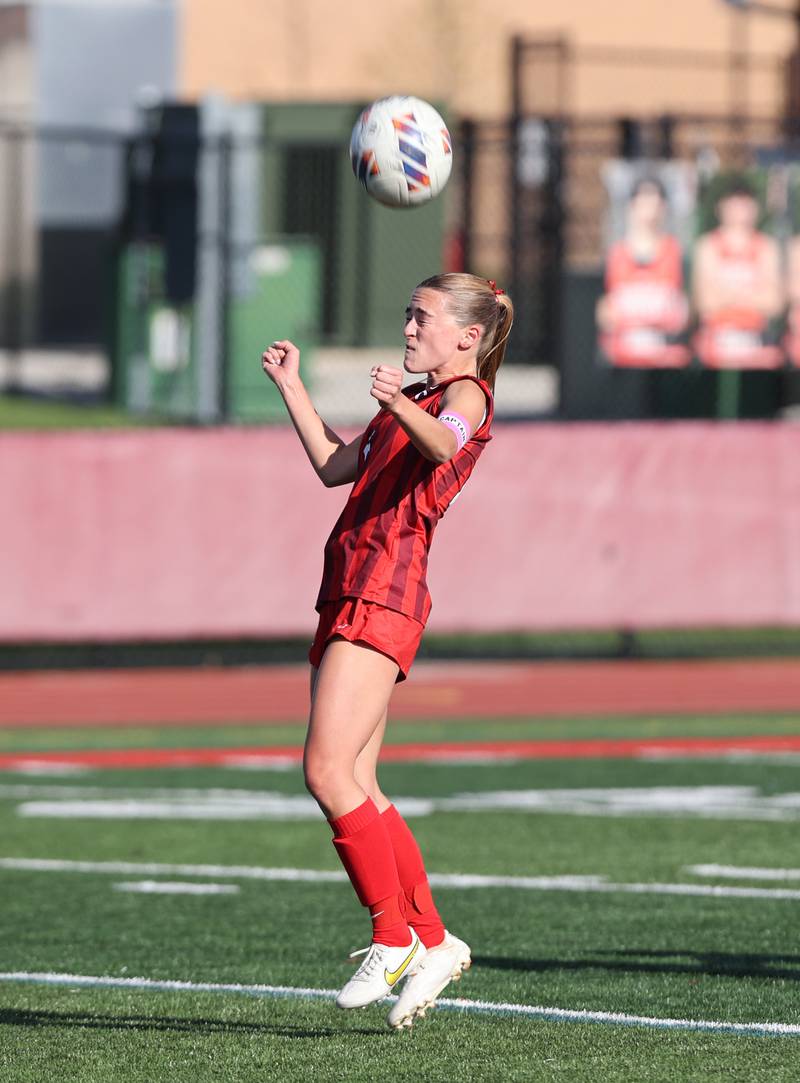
[359, 621]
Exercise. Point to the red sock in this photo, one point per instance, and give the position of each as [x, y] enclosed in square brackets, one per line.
[365, 849]
[421, 913]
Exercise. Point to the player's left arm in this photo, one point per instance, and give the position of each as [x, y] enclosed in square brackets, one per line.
[437, 438]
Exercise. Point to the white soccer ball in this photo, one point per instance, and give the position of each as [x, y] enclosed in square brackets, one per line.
[401, 151]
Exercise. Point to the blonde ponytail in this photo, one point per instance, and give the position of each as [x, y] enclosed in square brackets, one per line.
[490, 361]
[475, 300]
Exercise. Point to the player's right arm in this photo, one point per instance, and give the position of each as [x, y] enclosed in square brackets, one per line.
[334, 461]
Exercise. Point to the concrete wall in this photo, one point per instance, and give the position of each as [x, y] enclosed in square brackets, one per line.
[114, 536]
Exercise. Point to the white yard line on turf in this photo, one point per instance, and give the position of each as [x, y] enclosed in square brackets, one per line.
[464, 881]
[174, 887]
[154, 868]
[737, 872]
[261, 763]
[47, 769]
[734, 755]
[703, 802]
[482, 1007]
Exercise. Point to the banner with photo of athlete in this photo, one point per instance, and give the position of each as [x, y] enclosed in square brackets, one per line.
[643, 315]
[707, 272]
[737, 281]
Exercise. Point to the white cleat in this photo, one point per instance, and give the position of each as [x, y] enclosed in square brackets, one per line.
[437, 968]
[380, 972]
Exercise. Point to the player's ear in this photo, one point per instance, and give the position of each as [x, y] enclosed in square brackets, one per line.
[470, 337]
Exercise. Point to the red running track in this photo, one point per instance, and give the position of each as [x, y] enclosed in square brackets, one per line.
[435, 690]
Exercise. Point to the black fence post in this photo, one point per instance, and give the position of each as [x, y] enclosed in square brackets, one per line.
[515, 195]
[364, 272]
[631, 144]
[468, 136]
[14, 301]
[551, 230]
[665, 128]
[225, 264]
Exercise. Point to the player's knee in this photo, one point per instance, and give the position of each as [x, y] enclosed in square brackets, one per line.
[322, 775]
[313, 778]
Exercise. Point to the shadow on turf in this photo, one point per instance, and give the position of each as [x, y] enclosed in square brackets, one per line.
[90, 1020]
[711, 964]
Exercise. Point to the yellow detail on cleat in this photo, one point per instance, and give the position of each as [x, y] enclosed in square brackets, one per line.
[391, 977]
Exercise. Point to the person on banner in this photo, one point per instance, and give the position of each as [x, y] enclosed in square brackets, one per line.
[737, 288]
[644, 312]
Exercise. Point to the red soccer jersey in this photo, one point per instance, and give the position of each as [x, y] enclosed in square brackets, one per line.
[378, 549]
[665, 270]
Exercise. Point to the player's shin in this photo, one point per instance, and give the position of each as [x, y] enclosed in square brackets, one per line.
[365, 849]
[421, 912]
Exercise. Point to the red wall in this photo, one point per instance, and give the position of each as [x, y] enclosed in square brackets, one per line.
[216, 533]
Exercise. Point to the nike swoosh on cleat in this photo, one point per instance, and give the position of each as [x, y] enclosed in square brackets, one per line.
[390, 977]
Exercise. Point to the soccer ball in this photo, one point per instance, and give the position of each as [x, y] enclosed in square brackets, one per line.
[401, 151]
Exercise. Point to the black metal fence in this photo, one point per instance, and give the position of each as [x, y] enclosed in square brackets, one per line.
[533, 210]
[533, 203]
[525, 206]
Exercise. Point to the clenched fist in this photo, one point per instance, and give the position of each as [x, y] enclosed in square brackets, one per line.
[386, 385]
[281, 362]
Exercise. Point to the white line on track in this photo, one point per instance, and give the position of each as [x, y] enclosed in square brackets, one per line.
[736, 872]
[482, 1007]
[464, 881]
[175, 887]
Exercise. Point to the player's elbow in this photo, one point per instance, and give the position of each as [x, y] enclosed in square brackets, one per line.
[441, 455]
[333, 476]
[329, 480]
[324, 473]
[439, 448]
[445, 449]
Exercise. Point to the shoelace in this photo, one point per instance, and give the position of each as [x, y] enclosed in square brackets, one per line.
[374, 956]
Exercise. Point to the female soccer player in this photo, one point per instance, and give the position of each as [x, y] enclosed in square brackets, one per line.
[408, 465]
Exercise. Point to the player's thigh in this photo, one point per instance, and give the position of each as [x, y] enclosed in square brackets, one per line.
[351, 696]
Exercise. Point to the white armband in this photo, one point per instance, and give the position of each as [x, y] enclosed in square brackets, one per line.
[459, 425]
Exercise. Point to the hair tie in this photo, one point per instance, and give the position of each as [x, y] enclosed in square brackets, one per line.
[493, 287]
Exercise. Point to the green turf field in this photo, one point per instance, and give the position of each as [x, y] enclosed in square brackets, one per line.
[616, 915]
[19, 412]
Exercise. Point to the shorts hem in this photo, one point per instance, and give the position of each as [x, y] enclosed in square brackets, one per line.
[402, 674]
[392, 634]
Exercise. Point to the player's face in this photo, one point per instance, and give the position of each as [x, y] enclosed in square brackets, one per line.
[647, 208]
[738, 212]
[432, 335]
